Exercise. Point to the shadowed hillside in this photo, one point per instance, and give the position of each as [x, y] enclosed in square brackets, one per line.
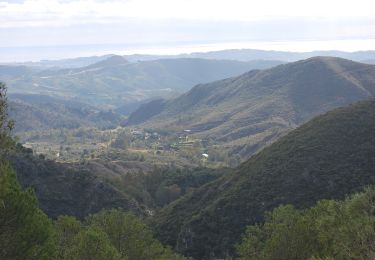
[65, 190]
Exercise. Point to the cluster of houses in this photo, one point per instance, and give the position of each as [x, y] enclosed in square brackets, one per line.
[180, 141]
[145, 135]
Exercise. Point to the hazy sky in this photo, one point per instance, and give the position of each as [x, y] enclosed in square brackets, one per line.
[171, 26]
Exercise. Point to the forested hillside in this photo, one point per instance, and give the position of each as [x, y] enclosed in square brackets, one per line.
[80, 189]
[329, 157]
[246, 113]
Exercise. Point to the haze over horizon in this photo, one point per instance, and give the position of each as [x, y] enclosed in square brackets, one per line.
[55, 29]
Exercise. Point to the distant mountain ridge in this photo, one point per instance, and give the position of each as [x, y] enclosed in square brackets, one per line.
[327, 158]
[243, 54]
[256, 54]
[115, 82]
[63, 63]
[247, 112]
[114, 60]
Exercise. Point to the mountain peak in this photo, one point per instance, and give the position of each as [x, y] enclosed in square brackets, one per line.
[111, 61]
[332, 62]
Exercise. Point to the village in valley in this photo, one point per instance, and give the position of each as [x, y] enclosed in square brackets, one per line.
[134, 144]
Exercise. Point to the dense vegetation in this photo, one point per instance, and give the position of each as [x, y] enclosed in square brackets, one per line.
[68, 189]
[79, 189]
[110, 234]
[161, 187]
[329, 230]
[24, 229]
[329, 157]
[246, 113]
[27, 233]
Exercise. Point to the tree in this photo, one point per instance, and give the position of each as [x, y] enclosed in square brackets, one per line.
[92, 244]
[131, 237]
[286, 234]
[6, 125]
[25, 231]
[329, 230]
[67, 228]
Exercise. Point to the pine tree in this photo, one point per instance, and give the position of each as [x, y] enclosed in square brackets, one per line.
[25, 231]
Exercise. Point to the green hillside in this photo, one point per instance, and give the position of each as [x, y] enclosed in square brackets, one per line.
[328, 157]
[248, 112]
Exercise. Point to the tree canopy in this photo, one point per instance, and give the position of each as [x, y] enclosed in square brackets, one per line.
[329, 230]
[25, 231]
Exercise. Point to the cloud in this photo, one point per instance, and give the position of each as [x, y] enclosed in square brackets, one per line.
[146, 24]
[31, 13]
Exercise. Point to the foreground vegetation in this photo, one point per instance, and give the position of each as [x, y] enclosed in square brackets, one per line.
[329, 230]
[27, 233]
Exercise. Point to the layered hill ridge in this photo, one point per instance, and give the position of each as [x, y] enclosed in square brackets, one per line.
[254, 109]
[114, 81]
[254, 54]
[328, 157]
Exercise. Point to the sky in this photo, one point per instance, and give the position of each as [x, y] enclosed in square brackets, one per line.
[51, 29]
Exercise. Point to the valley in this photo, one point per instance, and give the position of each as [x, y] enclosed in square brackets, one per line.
[187, 130]
[227, 120]
[198, 166]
